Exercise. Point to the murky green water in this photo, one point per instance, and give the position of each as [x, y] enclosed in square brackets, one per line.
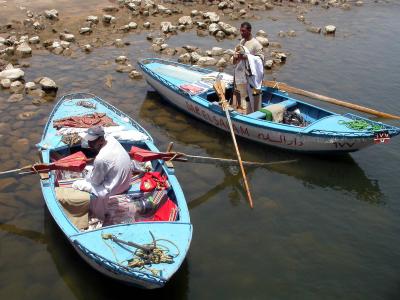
[323, 228]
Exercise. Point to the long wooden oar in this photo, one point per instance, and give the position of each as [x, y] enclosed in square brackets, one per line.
[219, 87]
[294, 90]
[143, 155]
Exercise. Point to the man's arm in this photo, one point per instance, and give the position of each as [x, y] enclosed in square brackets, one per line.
[99, 172]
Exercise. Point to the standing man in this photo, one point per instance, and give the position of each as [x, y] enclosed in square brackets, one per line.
[249, 70]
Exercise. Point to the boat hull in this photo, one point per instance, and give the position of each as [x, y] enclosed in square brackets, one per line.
[246, 128]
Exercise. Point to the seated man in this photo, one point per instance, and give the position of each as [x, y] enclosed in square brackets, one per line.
[111, 171]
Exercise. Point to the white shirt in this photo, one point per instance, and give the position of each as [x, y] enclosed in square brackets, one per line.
[111, 170]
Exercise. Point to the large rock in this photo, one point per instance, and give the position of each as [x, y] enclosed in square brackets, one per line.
[184, 58]
[217, 51]
[48, 85]
[51, 14]
[23, 50]
[213, 28]
[165, 27]
[212, 16]
[12, 74]
[228, 29]
[207, 61]
[263, 41]
[34, 40]
[69, 37]
[185, 20]
[330, 29]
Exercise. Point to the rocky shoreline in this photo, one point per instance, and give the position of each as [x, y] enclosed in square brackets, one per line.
[68, 36]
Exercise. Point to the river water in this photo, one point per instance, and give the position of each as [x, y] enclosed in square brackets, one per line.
[321, 228]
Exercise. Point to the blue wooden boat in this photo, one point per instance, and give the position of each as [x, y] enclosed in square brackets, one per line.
[190, 89]
[109, 256]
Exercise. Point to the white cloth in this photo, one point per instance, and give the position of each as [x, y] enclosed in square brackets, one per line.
[118, 132]
[110, 176]
[249, 71]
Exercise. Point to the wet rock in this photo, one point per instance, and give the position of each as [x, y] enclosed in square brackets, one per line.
[165, 27]
[263, 41]
[359, 3]
[181, 27]
[213, 28]
[87, 48]
[227, 28]
[222, 63]
[146, 25]
[23, 50]
[194, 13]
[169, 51]
[47, 85]
[268, 64]
[262, 33]
[275, 45]
[58, 50]
[30, 86]
[301, 18]
[26, 115]
[121, 59]
[185, 20]
[330, 29]
[85, 30]
[12, 74]
[190, 48]
[93, 19]
[108, 19]
[135, 75]
[5, 83]
[36, 93]
[313, 29]
[291, 33]
[38, 26]
[51, 14]
[38, 101]
[16, 87]
[124, 68]
[201, 25]
[207, 61]
[132, 25]
[28, 22]
[194, 56]
[211, 16]
[184, 58]
[15, 98]
[217, 51]
[220, 35]
[279, 57]
[346, 6]
[8, 183]
[119, 43]
[109, 80]
[67, 37]
[34, 40]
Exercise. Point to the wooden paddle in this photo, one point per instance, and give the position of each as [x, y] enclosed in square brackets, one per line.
[290, 89]
[219, 87]
[143, 155]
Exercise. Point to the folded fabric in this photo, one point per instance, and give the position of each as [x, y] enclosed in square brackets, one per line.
[191, 88]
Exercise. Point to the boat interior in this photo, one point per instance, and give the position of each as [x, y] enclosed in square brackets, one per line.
[136, 205]
[306, 112]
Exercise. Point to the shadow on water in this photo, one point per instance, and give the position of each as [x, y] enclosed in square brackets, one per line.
[335, 172]
[83, 281]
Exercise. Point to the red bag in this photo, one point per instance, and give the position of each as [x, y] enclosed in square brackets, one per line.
[152, 180]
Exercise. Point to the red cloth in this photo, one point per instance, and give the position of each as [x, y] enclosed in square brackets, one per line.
[152, 180]
[167, 212]
[86, 121]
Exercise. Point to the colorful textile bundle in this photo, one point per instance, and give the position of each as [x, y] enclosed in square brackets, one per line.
[85, 121]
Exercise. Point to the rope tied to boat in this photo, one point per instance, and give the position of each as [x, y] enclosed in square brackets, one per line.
[360, 125]
[146, 255]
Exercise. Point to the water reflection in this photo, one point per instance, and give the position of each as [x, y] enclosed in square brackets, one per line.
[82, 280]
[311, 170]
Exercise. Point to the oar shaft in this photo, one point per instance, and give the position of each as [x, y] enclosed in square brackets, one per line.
[294, 90]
